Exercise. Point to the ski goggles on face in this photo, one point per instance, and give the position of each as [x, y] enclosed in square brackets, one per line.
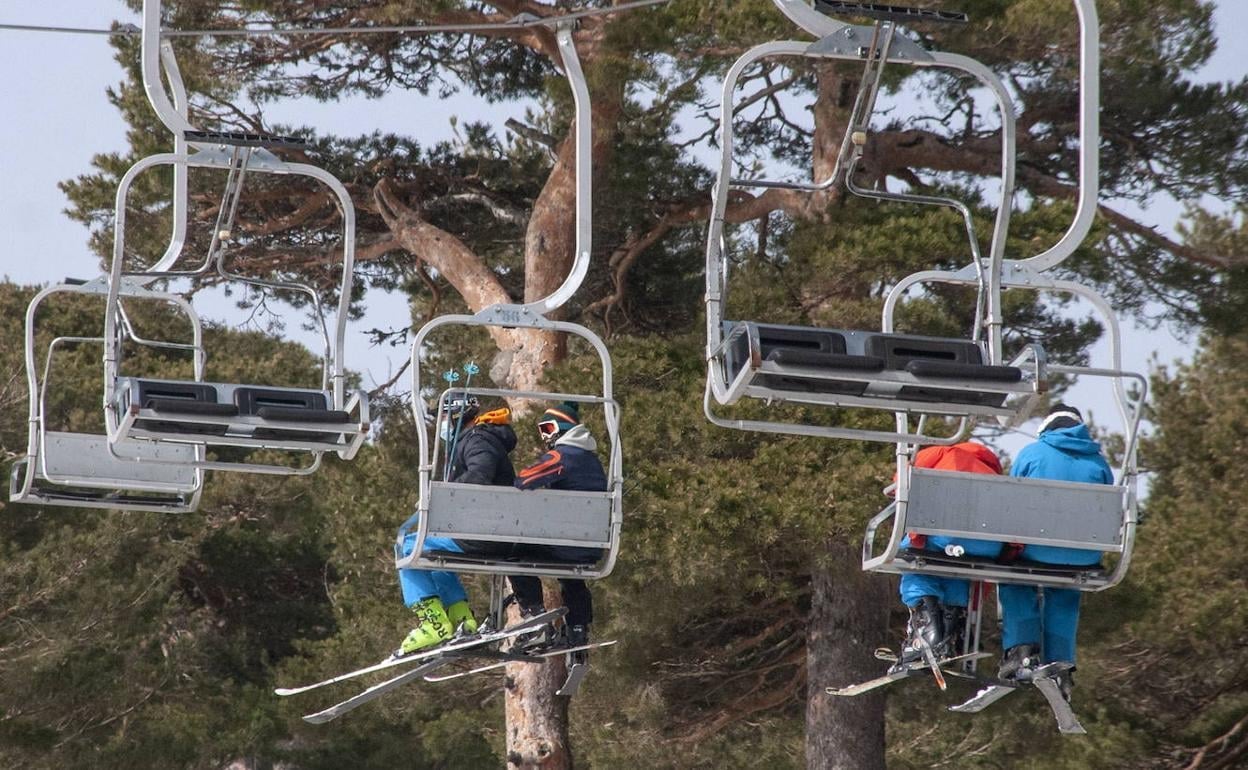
[548, 429]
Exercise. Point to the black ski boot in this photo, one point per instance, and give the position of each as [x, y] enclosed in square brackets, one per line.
[925, 629]
[1018, 663]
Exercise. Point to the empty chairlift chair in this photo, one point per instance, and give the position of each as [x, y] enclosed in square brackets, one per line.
[295, 419]
[78, 469]
[904, 374]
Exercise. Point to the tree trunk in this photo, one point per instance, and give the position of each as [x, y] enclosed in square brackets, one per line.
[537, 718]
[848, 619]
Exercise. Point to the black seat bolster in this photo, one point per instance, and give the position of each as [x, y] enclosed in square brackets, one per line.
[898, 350]
[945, 369]
[826, 360]
[255, 400]
[296, 414]
[186, 406]
[532, 555]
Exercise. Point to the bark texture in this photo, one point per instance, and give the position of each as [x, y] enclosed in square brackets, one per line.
[848, 619]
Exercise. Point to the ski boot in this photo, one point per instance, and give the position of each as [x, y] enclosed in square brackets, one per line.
[925, 629]
[433, 627]
[1018, 663]
[461, 618]
[1066, 683]
[540, 637]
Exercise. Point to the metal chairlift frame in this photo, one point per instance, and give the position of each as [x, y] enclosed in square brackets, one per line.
[839, 41]
[549, 517]
[124, 416]
[77, 469]
[1104, 516]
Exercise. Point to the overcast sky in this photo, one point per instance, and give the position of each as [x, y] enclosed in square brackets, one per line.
[58, 117]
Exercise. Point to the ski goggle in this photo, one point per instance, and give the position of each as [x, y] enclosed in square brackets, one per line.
[548, 429]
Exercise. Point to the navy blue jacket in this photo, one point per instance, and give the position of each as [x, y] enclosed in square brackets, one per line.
[571, 464]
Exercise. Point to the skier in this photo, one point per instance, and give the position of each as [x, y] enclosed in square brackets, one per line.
[479, 445]
[569, 463]
[1065, 451]
[938, 604]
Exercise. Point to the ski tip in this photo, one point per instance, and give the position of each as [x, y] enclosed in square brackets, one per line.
[284, 691]
[319, 718]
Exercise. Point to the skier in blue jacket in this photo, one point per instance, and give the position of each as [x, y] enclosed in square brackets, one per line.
[1065, 451]
[570, 463]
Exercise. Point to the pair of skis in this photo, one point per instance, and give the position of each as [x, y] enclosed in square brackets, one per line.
[481, 645]
[1045, 678]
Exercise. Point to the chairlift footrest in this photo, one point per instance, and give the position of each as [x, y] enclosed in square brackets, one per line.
[883, 12]
[246, 139]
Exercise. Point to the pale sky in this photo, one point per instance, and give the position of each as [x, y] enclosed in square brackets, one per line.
[58, 117]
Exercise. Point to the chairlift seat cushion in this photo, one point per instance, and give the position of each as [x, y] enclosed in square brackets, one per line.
[289, 414]
[246, 139]
[898, 350]
[183, 398]
[938, 369]
[826, 360]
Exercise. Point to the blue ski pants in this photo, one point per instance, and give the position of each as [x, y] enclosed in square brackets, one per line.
[420, 584]
[1053, 628]
[952, 592]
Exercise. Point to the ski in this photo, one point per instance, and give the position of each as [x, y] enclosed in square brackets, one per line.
[909, 670]
[1067, 722]
[578, 667]
[1042, 677]
[533, 657]
[466, 643]
[374, 692]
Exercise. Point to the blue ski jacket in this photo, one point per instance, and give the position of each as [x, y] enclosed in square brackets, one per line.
[571, 464]
[1063, 454]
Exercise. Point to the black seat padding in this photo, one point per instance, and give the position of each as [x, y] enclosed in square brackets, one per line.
[302, 415]
[934, 354]
[826, 360]
[243, 139]
[897, 350]
[288, 406]
[965, 371]
[190, 398]
[516, 553]
[780, 338]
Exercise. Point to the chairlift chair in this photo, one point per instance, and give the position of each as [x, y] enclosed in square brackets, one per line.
[75, 469]
[1029, 511]
[533, 517]
[303, 420]
[905, 374]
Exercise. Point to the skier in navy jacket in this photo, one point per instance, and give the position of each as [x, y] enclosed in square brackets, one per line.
[1065, 451]
[572, 464]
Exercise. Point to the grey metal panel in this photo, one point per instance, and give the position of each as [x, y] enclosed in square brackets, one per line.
[473, 511]
[82, 459]
[1033, 511]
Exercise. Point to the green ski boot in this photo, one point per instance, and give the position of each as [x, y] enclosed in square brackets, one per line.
[433, 627]
[461, 618]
